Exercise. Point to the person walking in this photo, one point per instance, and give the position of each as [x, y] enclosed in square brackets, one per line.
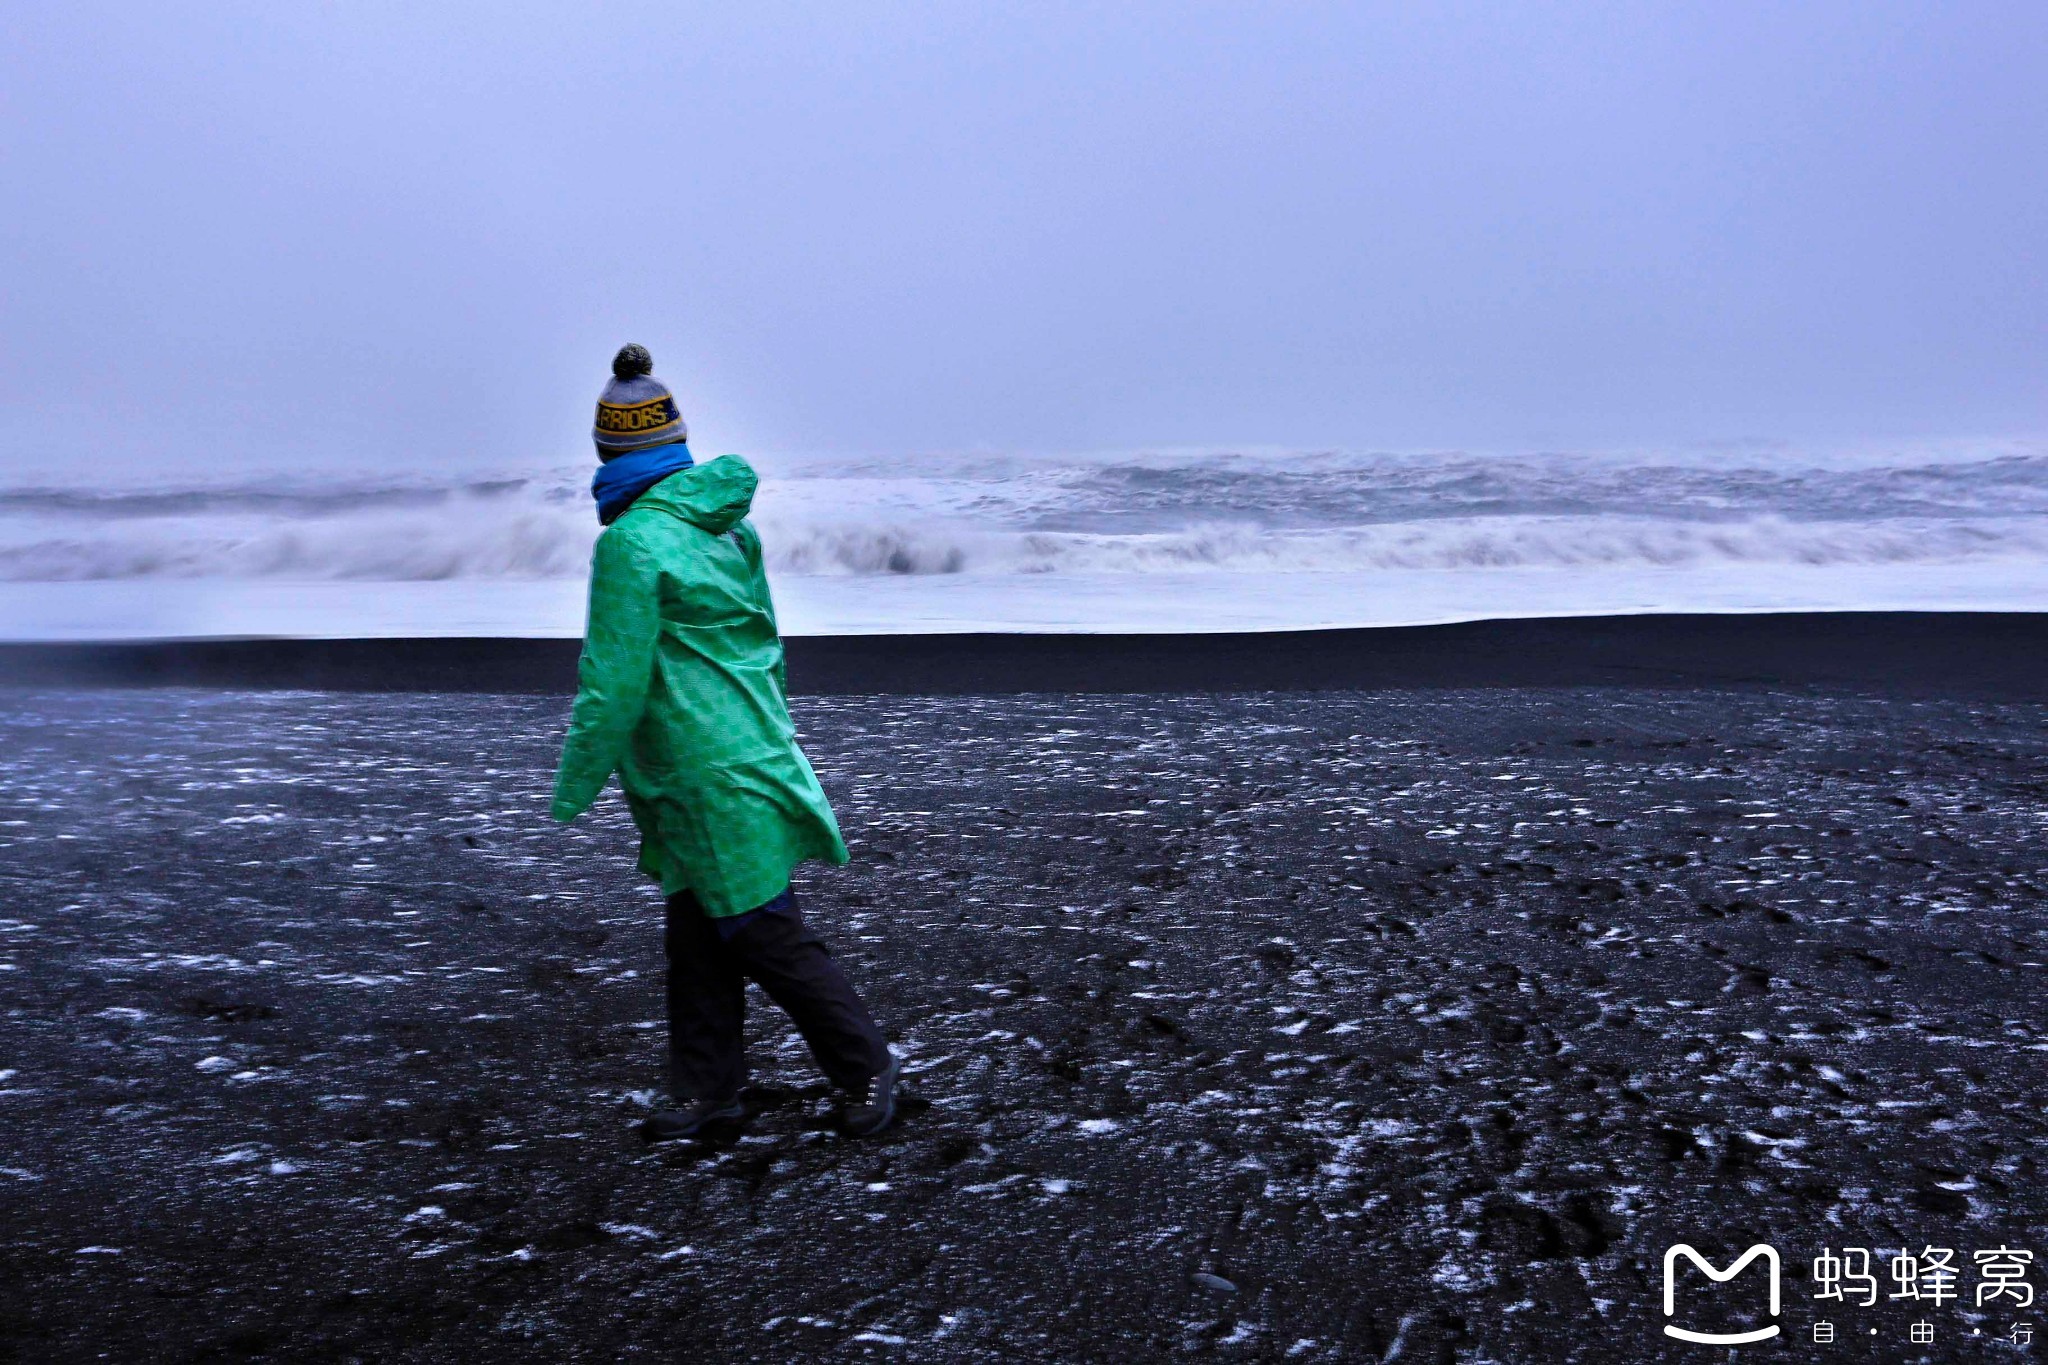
[681, 690]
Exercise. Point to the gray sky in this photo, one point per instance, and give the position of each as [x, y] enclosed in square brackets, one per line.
[271, 234]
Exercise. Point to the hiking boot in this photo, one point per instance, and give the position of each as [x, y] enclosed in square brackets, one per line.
[695, 1120]
[868, 1114]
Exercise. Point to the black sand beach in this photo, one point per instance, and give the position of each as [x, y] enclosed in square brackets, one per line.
[1918, 653]
[1406, 1024]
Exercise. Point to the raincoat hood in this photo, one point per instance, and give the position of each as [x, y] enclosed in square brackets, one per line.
[714, 495]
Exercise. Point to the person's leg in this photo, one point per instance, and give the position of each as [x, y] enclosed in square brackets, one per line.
[776, 948]
[707, 1005]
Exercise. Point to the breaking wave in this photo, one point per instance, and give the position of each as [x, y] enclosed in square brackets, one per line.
[1083, 515]
[1494, 543]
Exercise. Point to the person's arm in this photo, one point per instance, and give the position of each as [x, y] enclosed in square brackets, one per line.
[758, 561]
[614, 674]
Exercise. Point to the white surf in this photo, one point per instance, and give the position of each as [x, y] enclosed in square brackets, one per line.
[1171, 541]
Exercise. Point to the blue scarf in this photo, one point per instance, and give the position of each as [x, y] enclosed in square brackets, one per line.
[625, 477]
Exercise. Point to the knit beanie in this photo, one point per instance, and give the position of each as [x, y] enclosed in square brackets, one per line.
[636, 411]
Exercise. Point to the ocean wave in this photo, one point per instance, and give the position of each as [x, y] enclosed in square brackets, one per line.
[1489, 543]
[403, 546]
[533, 546]
[1135, 514]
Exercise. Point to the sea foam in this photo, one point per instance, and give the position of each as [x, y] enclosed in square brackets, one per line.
[1092, 515]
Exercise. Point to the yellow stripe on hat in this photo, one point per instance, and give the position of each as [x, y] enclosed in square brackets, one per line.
[638, 419]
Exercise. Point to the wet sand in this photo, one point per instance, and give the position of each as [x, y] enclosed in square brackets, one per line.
[1980, 654]
[1358, 1025]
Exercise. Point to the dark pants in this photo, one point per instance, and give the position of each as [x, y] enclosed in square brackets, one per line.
[710, 962]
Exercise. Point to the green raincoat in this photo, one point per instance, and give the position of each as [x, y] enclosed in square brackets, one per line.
[681, 691]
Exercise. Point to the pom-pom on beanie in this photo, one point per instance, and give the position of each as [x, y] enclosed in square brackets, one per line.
[636, 411]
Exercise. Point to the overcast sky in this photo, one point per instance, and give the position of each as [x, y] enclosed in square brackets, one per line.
[284, 233]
